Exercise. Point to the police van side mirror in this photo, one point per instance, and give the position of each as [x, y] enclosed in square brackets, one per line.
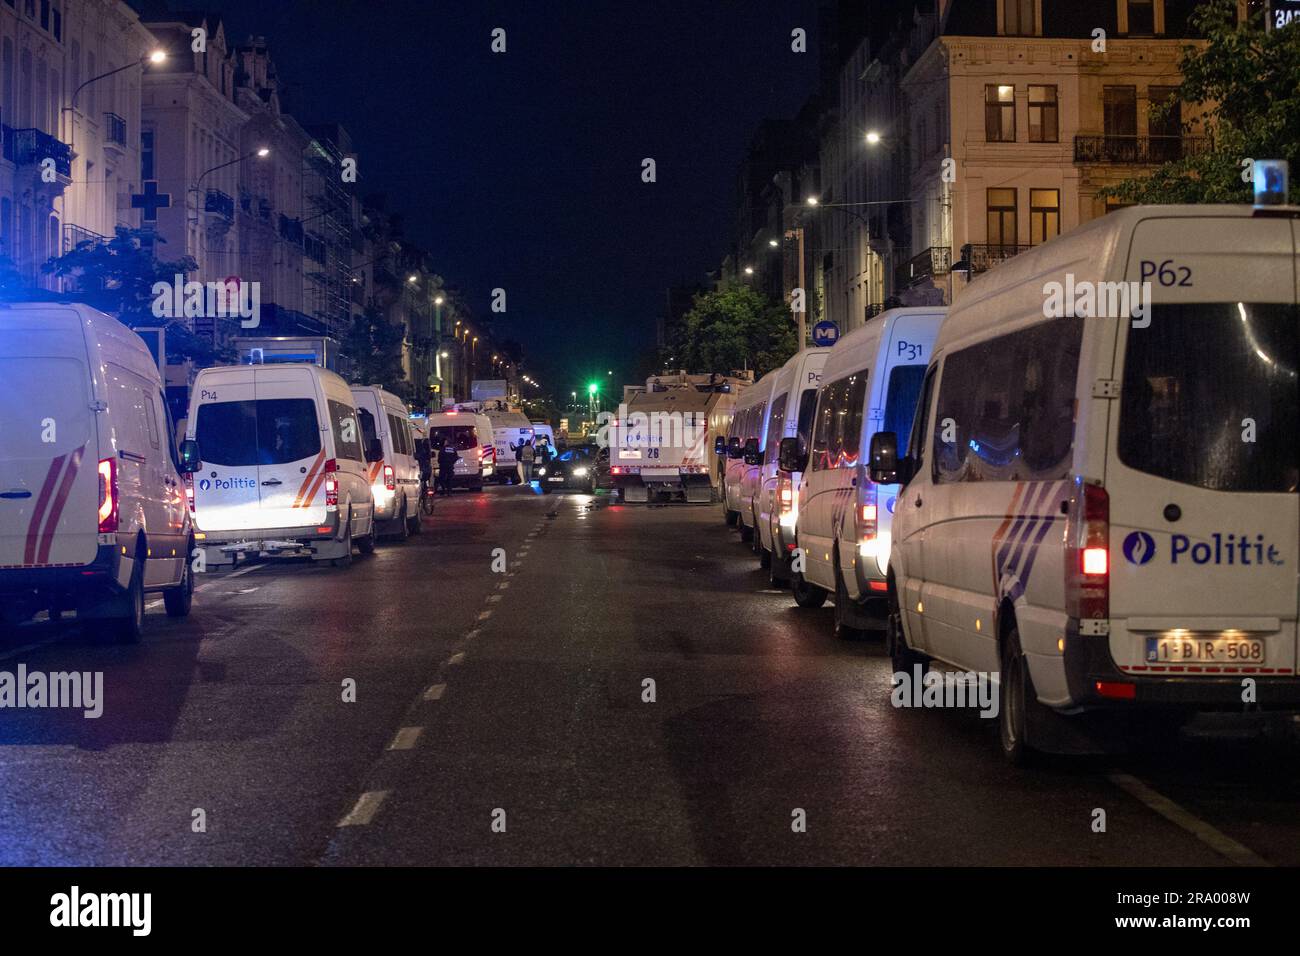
[751, 453]
[374, 450]
[733, 448]
[885, 466]
[788, 456]
[719, 446]
[189, 457]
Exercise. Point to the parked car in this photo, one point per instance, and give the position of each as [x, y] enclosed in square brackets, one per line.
[92, 512]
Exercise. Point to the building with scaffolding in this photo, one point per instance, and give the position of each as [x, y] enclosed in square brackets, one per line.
[327, 226]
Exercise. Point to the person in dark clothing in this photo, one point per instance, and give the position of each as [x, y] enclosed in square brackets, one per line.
[447, 458]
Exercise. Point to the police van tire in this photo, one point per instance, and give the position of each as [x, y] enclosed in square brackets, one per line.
[179, 599]
[129, 628]
[844, 631]
[731, 517]
[403, 526]
[901, 657]
[806, 595]
[1016, 696]
[746, 533]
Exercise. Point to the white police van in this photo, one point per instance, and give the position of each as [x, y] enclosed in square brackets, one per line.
[790, 415]
[92, 514]
[870, 383]
[1102, 506]
[744, 452]
[470, 434]
[281, 467]
[395, 474]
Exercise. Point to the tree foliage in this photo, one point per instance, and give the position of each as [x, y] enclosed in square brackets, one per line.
[1243, 82]
[734, 327]
[373, 345]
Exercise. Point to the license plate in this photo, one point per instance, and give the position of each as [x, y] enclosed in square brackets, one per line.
[556, 478]
[659, 473]
[1204, 650]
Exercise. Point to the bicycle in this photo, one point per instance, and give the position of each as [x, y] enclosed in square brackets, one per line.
[426, 497]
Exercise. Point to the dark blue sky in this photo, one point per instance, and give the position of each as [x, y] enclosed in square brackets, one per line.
[523, 170]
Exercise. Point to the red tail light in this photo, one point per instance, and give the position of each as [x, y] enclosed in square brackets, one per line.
[189, 491]
[867, 515]
[107, 495]
[784, 493]
[1087, 570]
[616, 470]
[390, 478]
[331, 483]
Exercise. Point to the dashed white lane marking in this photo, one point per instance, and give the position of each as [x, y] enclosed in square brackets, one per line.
[203, 587]
[405, 738]
[367, 806]
[457, 658]
[484, 615]
[1215, 839]
[435, 692]
[503, 585]
[493, 598]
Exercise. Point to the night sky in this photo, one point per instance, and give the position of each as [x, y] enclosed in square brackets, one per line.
[523, 170]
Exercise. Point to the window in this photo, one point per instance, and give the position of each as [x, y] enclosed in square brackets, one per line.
[775, 427]
[1189, 380]
[1002, 217]
[1119, 110]
[839, 423]
[45, 15]
[146, 155]
[1141, 18]
[807, 408]
[1042, 114]
[1044, 215]
[272, 431]
[756, 422]
[368, 432]
[401, 440]
[347, 433]
[58, 24]
[1011, 405]
[900, 401]
[151, 417]
[460, 437]
[1000, 113]
[916, 441]
[1018, 18]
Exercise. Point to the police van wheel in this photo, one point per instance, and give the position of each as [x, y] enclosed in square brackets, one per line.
[130, 628]
[806, 595]
[1015, 692]
[403, 525]
[179, 599]
[764, 557]
[844, 631]
[755, 539]
[901, 657]
[731, 517]
[746, 533]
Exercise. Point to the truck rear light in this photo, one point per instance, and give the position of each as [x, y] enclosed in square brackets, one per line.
[390, 478]
[616, 470]
[1087, 568]
[867, 515]
[189, 491]
[784, 493]
[331, 483]
[107, 495]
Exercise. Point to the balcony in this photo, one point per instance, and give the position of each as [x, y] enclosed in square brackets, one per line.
[291, 230]
[935, 261]
[1136, 150]
[32, 146]
[984, 256]
[220, 204]
[75, 237]
[114, 132]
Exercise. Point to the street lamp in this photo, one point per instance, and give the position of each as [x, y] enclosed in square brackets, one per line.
[812, 200]
[261, 153]
[873, 137]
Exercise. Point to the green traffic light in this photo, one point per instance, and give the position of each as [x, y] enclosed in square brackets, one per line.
[592, 388]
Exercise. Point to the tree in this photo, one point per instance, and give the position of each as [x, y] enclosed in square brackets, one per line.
[118, 277]
[735, 327]
[1244, 82]
[374, 347]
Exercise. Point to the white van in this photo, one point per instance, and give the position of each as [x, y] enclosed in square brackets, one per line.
[282, 468]
[870, 383]
[470, 433]
[92, 513]
[794, 400]
[395, 475]
[743, 450]
[1103, 510]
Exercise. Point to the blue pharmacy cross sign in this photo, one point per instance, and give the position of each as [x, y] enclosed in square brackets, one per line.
[151, 200]
[825, 333]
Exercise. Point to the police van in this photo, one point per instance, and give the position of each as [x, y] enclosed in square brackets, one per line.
[870, 383]
[394, 474]
[92, 513]
[743, 453]
[790, 415]
[281, 464]
[1100, 499]
[470, 434]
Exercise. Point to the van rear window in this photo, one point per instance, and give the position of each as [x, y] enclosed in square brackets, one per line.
[461, 437]
[903, 390]
[272, 431]
[51, 413]
[1194, 382]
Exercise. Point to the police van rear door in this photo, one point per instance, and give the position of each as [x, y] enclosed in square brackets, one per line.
[1202, 463]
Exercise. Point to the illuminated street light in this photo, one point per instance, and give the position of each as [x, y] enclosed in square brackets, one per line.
[438, 301]
[411, 279]
[811, 200]
[263, 152]
[749, 270]
[157, 56]
[873, 137]
[772, 243]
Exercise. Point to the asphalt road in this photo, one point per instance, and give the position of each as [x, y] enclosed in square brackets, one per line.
[500, 717]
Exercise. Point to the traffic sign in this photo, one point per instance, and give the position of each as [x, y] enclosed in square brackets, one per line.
[825, 333]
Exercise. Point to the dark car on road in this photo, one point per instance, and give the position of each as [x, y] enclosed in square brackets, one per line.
[571, 469]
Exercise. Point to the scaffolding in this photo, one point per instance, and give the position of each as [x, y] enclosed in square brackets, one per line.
[326, 237]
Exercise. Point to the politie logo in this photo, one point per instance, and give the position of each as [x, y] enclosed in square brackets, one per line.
[1139, 547]
[204, 484]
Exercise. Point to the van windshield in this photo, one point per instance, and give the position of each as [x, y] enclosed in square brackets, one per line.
[271, 431]
[900, 402]
[53, 416]
[461, 437]
[1210, 394]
